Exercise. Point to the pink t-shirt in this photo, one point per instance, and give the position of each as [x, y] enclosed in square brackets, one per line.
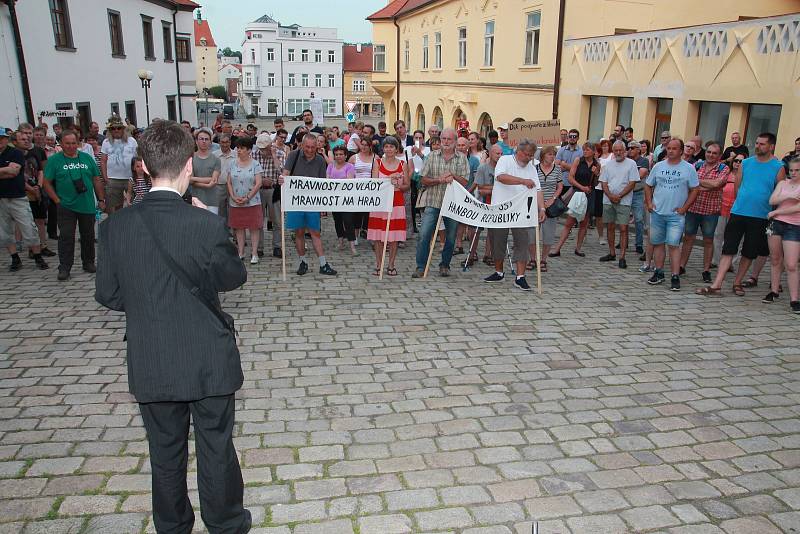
[728, 196]
[347, 169]
[788, 188]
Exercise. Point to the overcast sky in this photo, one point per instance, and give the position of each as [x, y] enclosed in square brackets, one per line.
[228, 18]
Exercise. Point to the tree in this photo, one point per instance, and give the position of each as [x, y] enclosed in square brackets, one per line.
[227, 52]
[218, 91]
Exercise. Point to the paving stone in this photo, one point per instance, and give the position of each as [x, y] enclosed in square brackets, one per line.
[549, 507]
[319, 489]
[462, 495]
[55, 526]
[339, 526]
[443, 519]
[54, 466]
[498, 513]
[305, 511]
[745, 525]
[601, 500]
[411, 499]
[116, 524]
[649, 517]
[88, 505]
[389, 524]
[516, 490]
[18, 509]
[597, 524]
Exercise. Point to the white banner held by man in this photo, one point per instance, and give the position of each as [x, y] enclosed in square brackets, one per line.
[521, 211]
[303, 193]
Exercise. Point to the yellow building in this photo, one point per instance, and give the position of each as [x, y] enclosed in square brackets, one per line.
[205, 55]
[357, 67]
[495, 60]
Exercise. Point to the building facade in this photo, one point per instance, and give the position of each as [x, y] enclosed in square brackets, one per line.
[205, 55]
[358, 90]
[82, 58]
[230, 76]
[284, 68]
[496, 62]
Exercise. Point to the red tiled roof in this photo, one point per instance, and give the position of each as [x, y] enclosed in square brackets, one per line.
[186, 3]
[202, 29]
[354, 61]
[397, 8]
[237, 66]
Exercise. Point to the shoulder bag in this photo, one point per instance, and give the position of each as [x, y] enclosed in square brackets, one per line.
[558, 207]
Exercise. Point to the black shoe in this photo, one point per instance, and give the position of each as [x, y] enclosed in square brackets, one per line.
[494, 278]
[714, 266]
[16, 264]
[521, 283]
[277, 252]
[303, 269]
[580, 254]
[608, 257]
[40, 263]
[675, 283]
[444, 272]
[308, 235]
[643, 256]
[30, 254]
[623, 264]
[260, 253]
[657, 278]
[52, 236]
[327, 269]
[682, 271]
[418, 273]
[770, 298]
[47, 253]
[640, 250]
[554, 254]
[459, 250]
[269, 225]
[795, 306]
[617, 246]
[90, 268]
[63, 274]
[416, 231]
[363, 234]
[707, 277]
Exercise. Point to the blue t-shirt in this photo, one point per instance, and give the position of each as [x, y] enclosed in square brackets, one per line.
[474, 163]
[567, 155]
[671, 185]
[758, 182]
[507, 150]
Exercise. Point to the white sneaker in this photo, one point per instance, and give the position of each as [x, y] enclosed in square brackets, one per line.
[603, 241]
[253, 260]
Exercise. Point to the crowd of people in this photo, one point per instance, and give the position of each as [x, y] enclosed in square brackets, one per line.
[747, 208]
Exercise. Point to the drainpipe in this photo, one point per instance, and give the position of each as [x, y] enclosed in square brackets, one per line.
[397, 68]
[23, 71]
[559, 50]
[177, 67]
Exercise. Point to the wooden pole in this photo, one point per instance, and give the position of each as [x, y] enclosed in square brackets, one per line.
[538, 261]
[433, 244]
[283, 241]
[385, 243]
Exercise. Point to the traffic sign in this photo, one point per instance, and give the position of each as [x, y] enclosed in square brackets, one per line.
[351, 105]
[351, 117]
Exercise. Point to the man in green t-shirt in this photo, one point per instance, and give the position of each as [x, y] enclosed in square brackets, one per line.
[72, 180]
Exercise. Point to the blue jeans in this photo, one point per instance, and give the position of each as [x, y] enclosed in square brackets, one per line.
[637, 206]
[666, 229]
[429, 218]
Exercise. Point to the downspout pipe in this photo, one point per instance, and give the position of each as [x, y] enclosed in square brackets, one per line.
[559, 51]
[177, 66]
[397, 69]
[23, 71]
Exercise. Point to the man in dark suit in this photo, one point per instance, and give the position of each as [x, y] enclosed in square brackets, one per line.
[182, 353]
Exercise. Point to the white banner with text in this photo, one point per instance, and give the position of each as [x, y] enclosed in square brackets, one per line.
[519, 212]
[303, 193]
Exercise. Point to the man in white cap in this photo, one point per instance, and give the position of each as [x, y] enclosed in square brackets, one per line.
[503, 142]
[271, 159]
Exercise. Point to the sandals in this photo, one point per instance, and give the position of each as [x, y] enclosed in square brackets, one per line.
[750, 282]
[738, 290]
[376, 272]
[531, 265]
[543, 266]
[580, 254]
[709, 291]
[391, 271]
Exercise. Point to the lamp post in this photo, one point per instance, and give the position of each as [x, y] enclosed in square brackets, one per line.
[205, 94]
[146, 76]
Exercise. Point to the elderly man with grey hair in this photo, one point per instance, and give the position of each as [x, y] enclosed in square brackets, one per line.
[439, 170]
[618, 178]
[514, 174]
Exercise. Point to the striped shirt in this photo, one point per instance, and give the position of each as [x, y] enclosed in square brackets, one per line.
[549, 181]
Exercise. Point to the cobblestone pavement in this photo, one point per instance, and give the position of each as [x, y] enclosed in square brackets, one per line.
[443, 405]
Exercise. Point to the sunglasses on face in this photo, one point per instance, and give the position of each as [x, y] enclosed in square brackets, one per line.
[573, 136]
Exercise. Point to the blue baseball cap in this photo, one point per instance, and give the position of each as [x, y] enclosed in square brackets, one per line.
[4, 131]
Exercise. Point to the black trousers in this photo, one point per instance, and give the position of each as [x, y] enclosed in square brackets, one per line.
[343, 222]
[219, 478]
[52, 220]
[361, 220]
[67, 219]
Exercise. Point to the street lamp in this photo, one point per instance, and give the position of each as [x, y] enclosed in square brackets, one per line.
[146, 76]
[205, 94]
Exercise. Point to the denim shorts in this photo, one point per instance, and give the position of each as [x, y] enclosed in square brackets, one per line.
[666, 229]
[787, 231]
[706, 223]
[297, 220]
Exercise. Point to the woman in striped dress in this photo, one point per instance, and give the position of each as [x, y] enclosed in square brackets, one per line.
[391, 168]
[365, 163]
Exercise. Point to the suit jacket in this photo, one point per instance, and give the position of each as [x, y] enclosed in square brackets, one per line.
[178, 350]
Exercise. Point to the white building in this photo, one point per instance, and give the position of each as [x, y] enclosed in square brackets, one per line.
[83, 56]
[285, 67]
[230, 76]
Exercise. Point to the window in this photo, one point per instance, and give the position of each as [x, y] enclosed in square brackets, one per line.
[761, 118]
[663, 118]
[84, 114]
[115, 31]
[272, 106]
[295, 106]
[290, 56]
[331, 56]
[248, 79]
[359, 86]
[271, 79]
[437, 50]
[253, 56]
[424, 51]
[379, 58]
[532, 38]
[304, 55]
[488, 44]
[291, 80]
[318, 56]
[114, 108]
[62, 29]
[318, 80]
[712, 121]
[166, 36]
[130, 111]
[270, 54]
[329, 106]
[147, 34]
[597, 117]
[304, 78]
[406, 55]
[182, 49]
[462, 47]
[69, 120]
[331, 80]
[625, 111]
[172, 113]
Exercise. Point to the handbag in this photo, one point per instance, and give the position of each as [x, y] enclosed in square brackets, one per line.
[177, 270]
[556, 209]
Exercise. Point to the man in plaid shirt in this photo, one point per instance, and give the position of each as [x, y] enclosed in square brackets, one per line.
[439, 170]
[704, 212]
[271, 159]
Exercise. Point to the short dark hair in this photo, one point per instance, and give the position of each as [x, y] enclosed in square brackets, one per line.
[371, 127]
[307, 110]
[245, 142]
[278, 120]
[165, 147]
[69, 131]
[714, 143]
[493, 133]
[392, 141]
[382, 124]
[281, 131]
[575, 131]
[399, 121]
[418, 132]
[185, 122]
[251, 126]
[340, 148]
[629, 129]
[769, 136]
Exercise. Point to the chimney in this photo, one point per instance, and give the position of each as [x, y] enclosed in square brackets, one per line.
[358, 48]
